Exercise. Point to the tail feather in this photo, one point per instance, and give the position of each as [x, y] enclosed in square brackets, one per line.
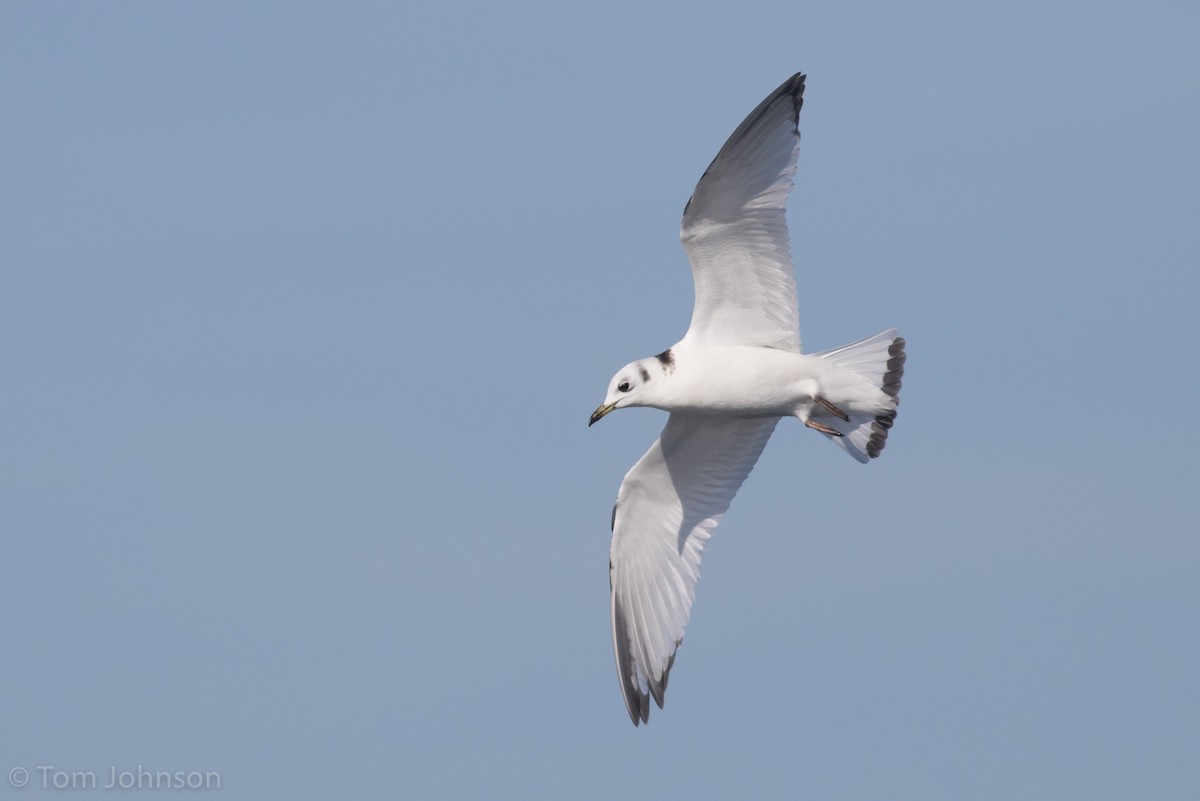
[879, 359]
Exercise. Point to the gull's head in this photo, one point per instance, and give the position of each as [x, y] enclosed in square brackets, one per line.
[634, 384]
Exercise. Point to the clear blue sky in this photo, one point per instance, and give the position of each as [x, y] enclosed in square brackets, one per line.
[303, 309]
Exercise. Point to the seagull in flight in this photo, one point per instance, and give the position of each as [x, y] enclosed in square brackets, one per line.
[737, 371]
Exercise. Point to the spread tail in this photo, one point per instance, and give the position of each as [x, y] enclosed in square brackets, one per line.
[880, 360]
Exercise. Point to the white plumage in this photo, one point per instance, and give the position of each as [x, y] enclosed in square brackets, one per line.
[736, 372]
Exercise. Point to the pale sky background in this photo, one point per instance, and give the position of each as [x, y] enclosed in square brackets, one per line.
[303, 309]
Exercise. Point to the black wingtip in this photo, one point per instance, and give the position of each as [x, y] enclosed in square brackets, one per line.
[793, 87]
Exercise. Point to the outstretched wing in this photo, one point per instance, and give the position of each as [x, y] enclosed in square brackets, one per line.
[667, 508]
[735, 234]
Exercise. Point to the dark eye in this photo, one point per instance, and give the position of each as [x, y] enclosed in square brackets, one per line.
[623, 387]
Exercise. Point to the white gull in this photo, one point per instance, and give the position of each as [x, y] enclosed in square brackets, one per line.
[736, 372]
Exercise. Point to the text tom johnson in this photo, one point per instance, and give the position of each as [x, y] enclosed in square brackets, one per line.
[139, 778]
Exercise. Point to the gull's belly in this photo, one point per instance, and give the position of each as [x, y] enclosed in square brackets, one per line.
[750, 382]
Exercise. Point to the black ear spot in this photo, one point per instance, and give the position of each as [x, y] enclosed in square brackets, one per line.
[623, 387]
[667, 360]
